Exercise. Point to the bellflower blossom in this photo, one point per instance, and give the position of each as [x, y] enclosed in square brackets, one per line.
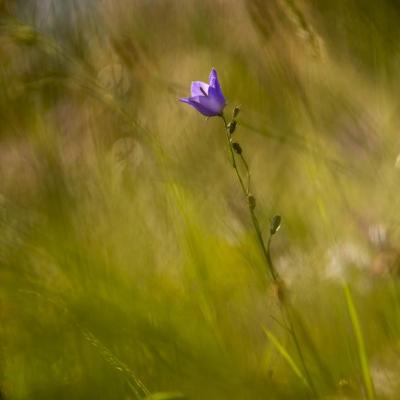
[207, 99]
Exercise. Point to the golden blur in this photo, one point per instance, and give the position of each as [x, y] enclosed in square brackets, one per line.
[129, 267]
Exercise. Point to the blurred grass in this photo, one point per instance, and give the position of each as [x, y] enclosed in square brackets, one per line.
[126, 250]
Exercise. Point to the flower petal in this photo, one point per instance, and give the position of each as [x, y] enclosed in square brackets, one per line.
[185, 100]
[215, 88]
[214, 79]
[213, 104]
[203, 105]
[199, 88]
[217, 95]
[207, 99]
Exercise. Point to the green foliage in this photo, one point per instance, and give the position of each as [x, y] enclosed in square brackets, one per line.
[360, 343]
[282, 350]
[129, 268]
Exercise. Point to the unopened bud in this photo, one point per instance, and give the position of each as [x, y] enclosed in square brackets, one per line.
[237, 148]
[252, 202]
[232, 126]
[236, 112]
[275, 224]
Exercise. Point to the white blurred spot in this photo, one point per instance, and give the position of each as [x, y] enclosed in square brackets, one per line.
[343, 258]
[377, 234]
[386, 377]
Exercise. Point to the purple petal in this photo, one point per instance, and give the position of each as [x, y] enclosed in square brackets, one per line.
[199, 89]
[207, 99]
[212, 103]
[215, 88]
[217, 95]
[214, 79]
[204, 105]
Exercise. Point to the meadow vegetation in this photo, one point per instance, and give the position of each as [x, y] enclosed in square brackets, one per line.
[129, 267]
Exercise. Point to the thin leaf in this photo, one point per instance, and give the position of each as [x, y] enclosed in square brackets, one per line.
[369, 386]
[166, 396]
[284, 353]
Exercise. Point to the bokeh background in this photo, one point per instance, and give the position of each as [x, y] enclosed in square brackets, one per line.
[129, 268]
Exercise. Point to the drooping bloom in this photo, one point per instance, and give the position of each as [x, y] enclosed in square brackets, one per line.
[207, 99]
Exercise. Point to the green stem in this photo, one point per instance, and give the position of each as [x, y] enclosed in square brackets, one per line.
[247, 170]
[285, 307]
[234, 164]
[246, 192]
[286, 312]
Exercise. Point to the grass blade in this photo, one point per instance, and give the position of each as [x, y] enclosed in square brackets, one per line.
[166, 396]
[369, 386]
[284, 353]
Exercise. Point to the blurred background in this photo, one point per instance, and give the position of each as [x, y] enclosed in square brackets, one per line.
[129, 268]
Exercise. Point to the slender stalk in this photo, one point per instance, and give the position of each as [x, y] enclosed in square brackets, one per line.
[286, 312]
[233, 158]
[248, 172]
[284, 305]
[246, 192]
[362, 352]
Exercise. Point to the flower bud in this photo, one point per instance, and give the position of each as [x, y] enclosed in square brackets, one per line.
[275, 224]
[237, 148]
[252, 202]
[236, 112]
[232, 126]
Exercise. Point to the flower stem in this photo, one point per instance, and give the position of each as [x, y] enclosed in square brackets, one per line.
[266, 250]
[233, 158]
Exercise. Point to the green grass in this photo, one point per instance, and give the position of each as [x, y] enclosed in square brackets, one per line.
[129, 267]
[369, 386]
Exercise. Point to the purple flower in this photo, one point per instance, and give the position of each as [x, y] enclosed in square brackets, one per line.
[207, 99]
